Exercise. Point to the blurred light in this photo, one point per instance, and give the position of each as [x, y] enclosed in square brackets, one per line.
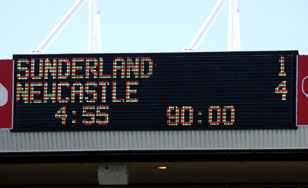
[162, 168]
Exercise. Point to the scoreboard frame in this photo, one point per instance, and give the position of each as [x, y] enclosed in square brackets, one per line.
[223, 109]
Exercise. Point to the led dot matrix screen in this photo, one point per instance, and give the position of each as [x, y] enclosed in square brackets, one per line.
[155, 91]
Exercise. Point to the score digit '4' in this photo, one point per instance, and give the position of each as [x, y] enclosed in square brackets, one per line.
[282, 87]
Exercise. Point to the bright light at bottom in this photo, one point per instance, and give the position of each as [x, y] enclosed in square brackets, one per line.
[162, 168]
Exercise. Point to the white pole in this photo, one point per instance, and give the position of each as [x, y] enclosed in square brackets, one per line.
[59, 27]
[234, 41]
[94, 35]
[230, 25]
[98, 33]
[205, 27]
[94, 32]
[90, 26]
[237, 30]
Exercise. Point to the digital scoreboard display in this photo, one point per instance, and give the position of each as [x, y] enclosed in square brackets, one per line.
[155, 91]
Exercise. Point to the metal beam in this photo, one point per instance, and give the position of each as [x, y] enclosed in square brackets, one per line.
[59, 27]
[234, 41]
[206, 26]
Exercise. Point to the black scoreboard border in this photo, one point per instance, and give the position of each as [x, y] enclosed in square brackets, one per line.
[187, 54]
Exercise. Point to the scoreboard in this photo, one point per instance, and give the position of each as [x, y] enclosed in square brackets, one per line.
[155, 91]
